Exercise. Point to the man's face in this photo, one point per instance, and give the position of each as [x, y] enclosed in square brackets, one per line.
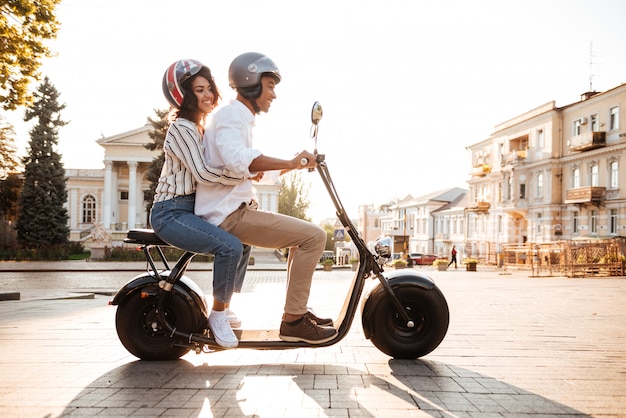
[267, 94]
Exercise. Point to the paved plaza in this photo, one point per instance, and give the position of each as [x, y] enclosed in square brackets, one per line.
[516, 347]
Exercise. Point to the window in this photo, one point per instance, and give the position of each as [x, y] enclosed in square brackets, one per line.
[576, 178]
[614, 174]
[594, 221]
[613, 221]
[500, 222]
[123, 195]
[614, 118]
[593, 175]
[578, 127]
[89, 210]
[575, 221]
[539, 223]
[539, 184]
[509, 190]
[522, 191]
[594, 123]
[540, 139]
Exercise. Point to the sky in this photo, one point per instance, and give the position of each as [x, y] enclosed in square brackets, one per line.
[405, 86]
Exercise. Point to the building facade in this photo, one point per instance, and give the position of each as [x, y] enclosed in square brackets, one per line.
[550, 174]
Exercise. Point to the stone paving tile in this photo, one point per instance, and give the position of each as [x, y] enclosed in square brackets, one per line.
[516, 347]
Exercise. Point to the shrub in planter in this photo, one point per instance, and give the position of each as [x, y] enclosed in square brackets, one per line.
[470, 264]
[399, 263]
[441, 264]
[328, 264]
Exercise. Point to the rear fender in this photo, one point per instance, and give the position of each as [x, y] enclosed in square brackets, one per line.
[145, 282]
[396, 278]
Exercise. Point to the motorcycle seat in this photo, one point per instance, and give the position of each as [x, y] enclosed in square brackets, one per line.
[143, 237]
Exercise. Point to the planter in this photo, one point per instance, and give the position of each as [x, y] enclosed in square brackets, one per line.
[328, 267]
[355, 265]
[442, 267]
[470, 266]
[251, 261]
[399, 266]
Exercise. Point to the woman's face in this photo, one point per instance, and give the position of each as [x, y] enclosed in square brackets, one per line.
[204, 95]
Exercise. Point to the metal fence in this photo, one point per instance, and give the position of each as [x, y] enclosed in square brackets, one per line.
[574, 258]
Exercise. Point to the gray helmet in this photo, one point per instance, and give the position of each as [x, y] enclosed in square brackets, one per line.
[245, 72]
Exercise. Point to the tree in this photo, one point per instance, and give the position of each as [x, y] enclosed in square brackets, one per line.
[160, 125]
[8, 157]
[24, 26]
[42, 219]
[293, 198]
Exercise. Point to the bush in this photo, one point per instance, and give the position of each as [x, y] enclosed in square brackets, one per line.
[399, 262]
[132, 254]
[45, 253]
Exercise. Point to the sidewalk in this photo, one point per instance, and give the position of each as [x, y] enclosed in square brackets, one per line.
[516, 347]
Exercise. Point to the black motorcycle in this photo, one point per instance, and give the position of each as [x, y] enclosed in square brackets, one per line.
[163, 314]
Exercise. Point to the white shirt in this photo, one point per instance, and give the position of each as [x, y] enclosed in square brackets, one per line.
[183, 165]
[228, 145]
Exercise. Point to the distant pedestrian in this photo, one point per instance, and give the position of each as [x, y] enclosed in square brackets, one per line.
[453, 254]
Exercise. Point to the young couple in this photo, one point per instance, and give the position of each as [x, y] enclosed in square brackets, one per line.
[205, 201]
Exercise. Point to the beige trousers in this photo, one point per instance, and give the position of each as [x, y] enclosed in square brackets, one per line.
[305, 241]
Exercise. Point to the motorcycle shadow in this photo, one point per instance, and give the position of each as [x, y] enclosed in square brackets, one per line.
[182, 388]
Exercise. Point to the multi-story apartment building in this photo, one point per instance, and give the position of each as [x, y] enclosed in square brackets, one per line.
[426, 224]
[550, 174]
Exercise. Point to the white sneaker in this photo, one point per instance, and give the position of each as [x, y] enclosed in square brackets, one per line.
[233, 320]
[221, 330]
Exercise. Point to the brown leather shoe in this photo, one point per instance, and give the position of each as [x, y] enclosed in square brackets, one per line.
[306, 331]
[322, 322]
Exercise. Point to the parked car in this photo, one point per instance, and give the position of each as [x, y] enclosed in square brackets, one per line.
[328, 255]
[422, 259]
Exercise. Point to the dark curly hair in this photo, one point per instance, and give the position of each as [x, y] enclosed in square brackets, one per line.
[189, 108]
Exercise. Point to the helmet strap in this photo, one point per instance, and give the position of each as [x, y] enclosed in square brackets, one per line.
[252, 93]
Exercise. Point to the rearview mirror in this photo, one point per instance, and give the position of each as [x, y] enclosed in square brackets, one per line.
[316, 113]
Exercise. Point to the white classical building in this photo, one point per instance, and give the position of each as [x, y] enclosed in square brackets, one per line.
[114, 197]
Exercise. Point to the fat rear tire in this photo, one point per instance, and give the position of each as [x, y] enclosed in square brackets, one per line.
[143, 336]
[427, 308]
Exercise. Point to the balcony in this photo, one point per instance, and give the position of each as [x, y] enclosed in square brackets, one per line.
[481, 170]
[592, 195]
[587, 141]
[514, 157]
[480, 206]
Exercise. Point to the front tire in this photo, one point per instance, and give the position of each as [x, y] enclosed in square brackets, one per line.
[427, 308]
[143, 335]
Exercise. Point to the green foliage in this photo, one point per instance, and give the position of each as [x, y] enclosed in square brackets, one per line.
[42, 220]
[46, 252]
[8, 156]
[158, 133]
[293, 198]
[10, 189]
[24, 26]
[330, 237]
[133, 254]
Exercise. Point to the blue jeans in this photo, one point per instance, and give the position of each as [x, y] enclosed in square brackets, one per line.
[174, 222]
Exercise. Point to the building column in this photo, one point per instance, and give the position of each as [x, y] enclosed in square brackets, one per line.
[132, 193]
[106, 198]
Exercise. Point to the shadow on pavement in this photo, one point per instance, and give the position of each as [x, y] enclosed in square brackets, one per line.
[181, 388]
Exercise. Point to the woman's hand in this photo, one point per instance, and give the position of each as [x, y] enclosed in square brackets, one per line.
[258, 176]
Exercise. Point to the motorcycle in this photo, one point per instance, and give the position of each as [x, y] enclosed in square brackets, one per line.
[163, 314]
